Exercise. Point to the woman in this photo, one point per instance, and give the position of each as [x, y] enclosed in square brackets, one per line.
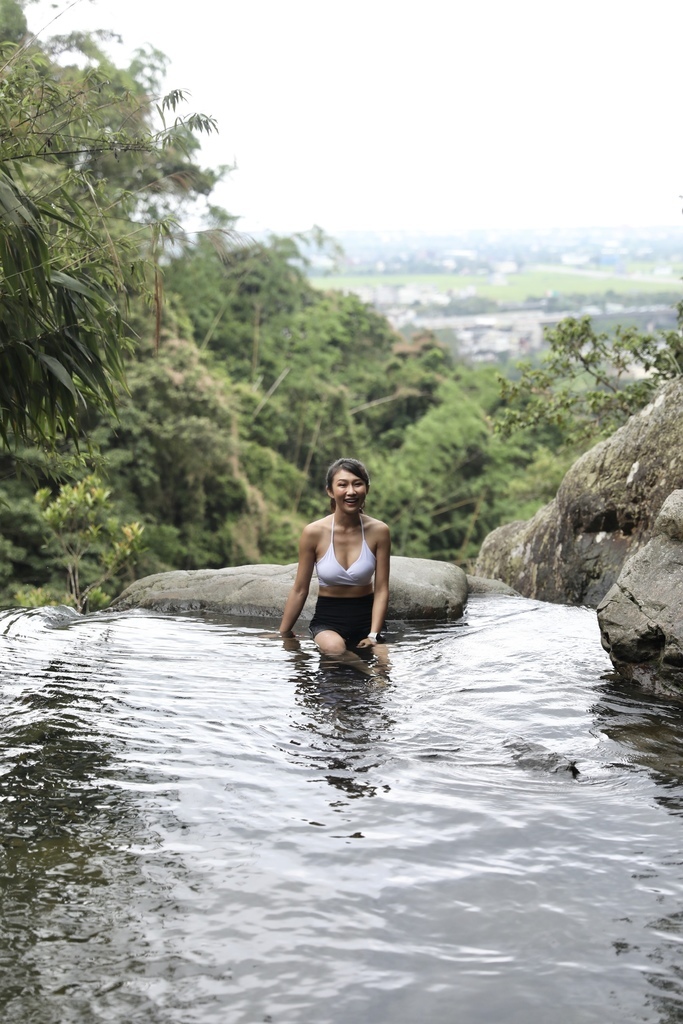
[346, 548]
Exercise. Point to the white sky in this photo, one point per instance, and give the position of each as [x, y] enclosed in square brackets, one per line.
[431, 115]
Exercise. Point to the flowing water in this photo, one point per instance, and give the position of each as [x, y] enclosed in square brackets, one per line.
[199, 825]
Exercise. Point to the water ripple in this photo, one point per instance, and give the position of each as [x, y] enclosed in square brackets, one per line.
[199, 825]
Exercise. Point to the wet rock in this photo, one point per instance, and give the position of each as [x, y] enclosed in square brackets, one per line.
[536, 757]
[641, 616]
[420, 589]
[481, 585]
[573, 549]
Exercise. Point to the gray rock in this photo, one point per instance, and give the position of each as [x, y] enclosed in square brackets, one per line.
[641, 616]
[420, 589]
[573, 549]
[248, 590]
[481, 585]
[425, 589]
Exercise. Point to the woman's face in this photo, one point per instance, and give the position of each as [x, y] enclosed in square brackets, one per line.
[348, 490]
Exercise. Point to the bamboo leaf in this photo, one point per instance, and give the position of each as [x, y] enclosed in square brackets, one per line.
[59, 371]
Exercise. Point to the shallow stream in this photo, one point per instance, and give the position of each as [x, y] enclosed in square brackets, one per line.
[200, 826]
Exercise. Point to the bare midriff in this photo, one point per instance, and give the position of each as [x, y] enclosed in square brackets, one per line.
[343, 590]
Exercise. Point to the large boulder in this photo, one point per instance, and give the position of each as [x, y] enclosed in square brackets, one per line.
[641, 616]
[573, 549]
[420, 589]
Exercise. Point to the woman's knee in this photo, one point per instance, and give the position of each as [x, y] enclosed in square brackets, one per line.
[330, 642]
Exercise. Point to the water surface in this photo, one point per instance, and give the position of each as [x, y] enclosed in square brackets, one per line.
[200, 825]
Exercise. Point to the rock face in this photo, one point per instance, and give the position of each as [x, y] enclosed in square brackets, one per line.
[420, 589]
[641, 616]
[573, 549]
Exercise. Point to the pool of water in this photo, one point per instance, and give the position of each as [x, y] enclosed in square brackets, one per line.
[202, 825]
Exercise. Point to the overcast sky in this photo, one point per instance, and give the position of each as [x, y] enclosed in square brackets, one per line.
[431, 115]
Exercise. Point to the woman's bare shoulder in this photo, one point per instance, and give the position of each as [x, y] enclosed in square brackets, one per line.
[314, 531]
[376, 526]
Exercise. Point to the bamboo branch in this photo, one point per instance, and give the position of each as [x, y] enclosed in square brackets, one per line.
[273, 387]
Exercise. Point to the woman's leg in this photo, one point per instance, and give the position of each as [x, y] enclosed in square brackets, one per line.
[334, 646]
[337, 618]
[330, 642]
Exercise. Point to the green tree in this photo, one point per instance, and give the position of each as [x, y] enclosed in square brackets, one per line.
[429, 490]
[454, 479]
[588, 384]
[13, 26]
[185, 464]
[307, 365]
[90, 543]
[73, 242]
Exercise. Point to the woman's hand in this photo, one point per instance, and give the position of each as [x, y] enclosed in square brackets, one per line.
[368, 642]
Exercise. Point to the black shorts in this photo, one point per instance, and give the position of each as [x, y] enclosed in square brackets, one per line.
[351, 617]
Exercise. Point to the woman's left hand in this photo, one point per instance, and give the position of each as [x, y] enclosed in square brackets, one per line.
[368, 642]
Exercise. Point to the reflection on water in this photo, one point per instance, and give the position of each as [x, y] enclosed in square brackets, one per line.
[198, 824]
[344, 724]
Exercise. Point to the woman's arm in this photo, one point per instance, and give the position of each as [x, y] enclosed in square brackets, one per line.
[302, 582]
[380, 602]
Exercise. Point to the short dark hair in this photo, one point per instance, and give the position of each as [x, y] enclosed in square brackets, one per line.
[351, 466]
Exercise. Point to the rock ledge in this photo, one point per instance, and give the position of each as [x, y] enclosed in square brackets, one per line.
[420, 589]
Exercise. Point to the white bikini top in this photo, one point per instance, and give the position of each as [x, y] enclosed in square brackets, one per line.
[332, 574]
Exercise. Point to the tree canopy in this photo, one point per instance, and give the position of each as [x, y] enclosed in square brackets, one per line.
[588, 383]
[90, 167]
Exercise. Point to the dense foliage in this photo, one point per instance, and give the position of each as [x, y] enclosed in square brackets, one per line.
[259, 381]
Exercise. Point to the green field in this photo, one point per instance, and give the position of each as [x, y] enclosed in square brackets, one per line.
[517, 287]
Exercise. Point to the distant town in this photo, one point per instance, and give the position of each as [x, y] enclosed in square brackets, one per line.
[490, 294]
